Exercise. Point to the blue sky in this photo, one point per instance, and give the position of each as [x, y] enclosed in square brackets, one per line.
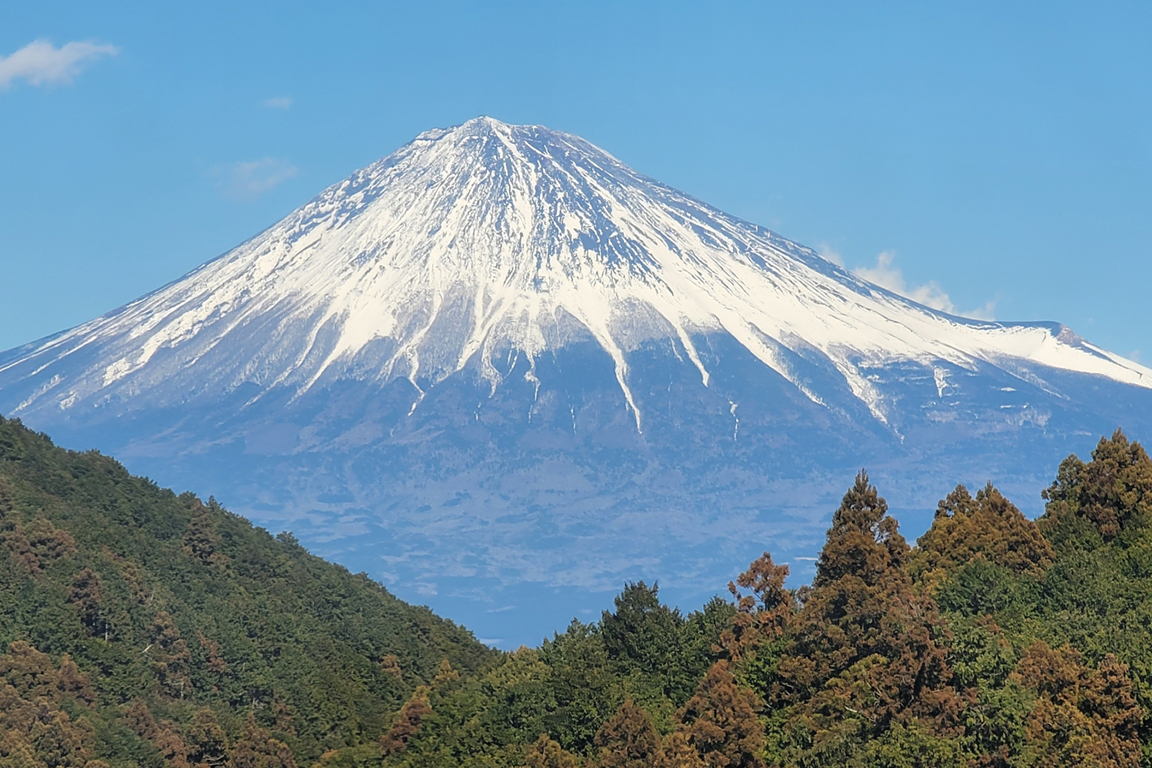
[995, 160]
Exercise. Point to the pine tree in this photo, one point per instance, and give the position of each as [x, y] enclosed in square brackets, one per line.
[987, 527]
[863, 651]
[207, 744]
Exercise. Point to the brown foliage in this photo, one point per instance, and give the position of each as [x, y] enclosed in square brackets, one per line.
[676, 751]
[862, 653]
[257, 749]
[546, 753]
[1082, 716]
[34, 730]
[720, 722]
[628, 739]
[207, 744]
[85, 595]
[989, 527]
[214, 663]
[170, 657]
[37, 544]
[407, 725]
[201, 540]
[763, 615]
[164, 736]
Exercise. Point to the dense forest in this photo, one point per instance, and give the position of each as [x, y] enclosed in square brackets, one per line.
[145, 628]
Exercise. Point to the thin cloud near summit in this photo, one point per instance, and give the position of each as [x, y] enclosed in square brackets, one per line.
[889, 276]
[249, 179]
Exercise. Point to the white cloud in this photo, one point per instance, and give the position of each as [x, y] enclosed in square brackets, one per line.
[279, 102]
[930, 294]
[828, 252]
[248, 180]
[41, 63]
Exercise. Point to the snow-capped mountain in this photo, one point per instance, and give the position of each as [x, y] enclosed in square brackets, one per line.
[500, 356]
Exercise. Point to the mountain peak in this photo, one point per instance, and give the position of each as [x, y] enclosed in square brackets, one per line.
[485, 237]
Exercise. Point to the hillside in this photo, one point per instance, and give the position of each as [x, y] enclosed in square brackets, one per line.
[154, 628]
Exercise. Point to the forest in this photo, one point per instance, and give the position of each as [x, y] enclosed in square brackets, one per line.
[141, 627]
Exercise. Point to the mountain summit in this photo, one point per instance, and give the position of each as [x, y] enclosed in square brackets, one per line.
[501, 354]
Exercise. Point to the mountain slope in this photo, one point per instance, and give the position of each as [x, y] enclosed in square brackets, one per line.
[175, 605]
[500, 357]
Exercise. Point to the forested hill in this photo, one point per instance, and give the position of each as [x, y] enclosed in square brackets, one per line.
[145, 628]
[995, 642]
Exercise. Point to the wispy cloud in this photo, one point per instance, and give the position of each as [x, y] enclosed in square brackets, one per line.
[831, 254]
[41, 63]
[278, 102]
[250, 179]
[886, 275]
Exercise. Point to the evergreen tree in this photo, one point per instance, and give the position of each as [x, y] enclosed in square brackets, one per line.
[988, 527]
[546, 753]
[721, 724]
[628, 739]
[1112, 493]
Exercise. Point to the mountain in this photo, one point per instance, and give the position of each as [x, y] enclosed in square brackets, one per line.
[501, 370]
[162, 611]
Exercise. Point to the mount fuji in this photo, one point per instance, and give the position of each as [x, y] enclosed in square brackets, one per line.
[503, 372]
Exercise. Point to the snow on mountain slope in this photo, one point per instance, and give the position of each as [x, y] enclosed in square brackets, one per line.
[473, 240]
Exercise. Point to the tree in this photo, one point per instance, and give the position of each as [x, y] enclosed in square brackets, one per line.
[407, 723]
[257, 749]
[628, 739]
[641, 632]
[201, 539]
[207, 744]
[85, 595]
[988, 527]
[720, 722]
[762, 616]
[863, 653]
[1082, 716]
[170, 658]
[1112, 493]
[676, 751]
[546, 753]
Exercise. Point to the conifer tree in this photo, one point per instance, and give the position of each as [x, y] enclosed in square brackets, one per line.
[546, 753]
[201, 539]
[762, 616]
[85, 595]
[1111, 493]
[257, 749]
[628, 739]
[862, 653]
[720, 722]
[676, 751]
[407, 724]
[988, 527]
[207, 743]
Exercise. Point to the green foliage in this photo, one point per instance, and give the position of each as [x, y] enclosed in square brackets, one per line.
[202, 619]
